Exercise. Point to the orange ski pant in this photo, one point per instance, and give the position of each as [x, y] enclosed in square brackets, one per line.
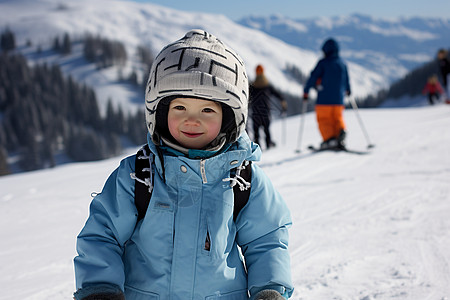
[330, 119]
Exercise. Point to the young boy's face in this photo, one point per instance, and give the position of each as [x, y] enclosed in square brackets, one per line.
[194, 123]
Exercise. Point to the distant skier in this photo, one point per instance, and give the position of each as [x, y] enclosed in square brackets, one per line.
[330, 79]
[261, 92]
[433, 89]
[444, 67]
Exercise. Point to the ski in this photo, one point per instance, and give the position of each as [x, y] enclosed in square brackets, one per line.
[315, 149]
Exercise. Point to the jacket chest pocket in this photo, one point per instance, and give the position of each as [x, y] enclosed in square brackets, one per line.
[157, 228]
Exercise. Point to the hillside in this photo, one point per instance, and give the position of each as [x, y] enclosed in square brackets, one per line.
[365, 227]
[39, 21]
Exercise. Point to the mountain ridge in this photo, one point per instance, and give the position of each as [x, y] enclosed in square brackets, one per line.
[390, 46]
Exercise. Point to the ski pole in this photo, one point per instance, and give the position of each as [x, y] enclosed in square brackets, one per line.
[361, 124]
[302, 125]
[283, 129]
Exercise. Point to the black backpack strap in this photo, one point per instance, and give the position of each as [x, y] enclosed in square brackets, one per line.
[143, 180]
[241, 195]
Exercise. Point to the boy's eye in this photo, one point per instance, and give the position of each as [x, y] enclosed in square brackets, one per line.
[179, 107]
[208, 110]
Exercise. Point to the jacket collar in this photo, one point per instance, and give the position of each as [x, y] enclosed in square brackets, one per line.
[235, 154]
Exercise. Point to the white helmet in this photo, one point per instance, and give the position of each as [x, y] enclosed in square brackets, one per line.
[198, 65]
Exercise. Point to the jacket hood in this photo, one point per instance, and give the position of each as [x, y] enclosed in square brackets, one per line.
[330, 48]
[250, 151]
[260, 82]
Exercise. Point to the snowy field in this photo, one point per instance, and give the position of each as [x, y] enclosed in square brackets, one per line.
[366, 227]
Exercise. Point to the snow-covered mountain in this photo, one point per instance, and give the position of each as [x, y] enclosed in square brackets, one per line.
[390, 47]
[39, 21]
[364, 227]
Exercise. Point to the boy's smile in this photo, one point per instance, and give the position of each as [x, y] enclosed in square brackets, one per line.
[194, 123]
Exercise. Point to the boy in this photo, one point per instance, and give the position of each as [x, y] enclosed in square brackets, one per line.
[188, 245]
[330, 78]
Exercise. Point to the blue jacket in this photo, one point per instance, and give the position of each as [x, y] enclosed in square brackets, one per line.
[164, 256]
[330, 76]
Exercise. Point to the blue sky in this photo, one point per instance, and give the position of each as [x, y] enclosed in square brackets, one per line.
[235, 9]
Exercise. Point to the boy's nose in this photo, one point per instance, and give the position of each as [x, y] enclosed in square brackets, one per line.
[192, 120]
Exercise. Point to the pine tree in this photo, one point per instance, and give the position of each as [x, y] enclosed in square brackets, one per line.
[296, 74]
[104, 53]
[136, 127]
[4, 168]
[66, 46]
[145, 55]
[7, 40]
[56, 44]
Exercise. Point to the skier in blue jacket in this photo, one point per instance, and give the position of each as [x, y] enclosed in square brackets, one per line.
[188, 246]
[330, 78]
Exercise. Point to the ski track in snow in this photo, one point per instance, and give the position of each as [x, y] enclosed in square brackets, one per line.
[365, 227]
[372, 226]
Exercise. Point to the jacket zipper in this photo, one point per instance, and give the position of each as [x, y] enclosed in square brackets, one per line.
[207, 242]
[207, 239]
[203, 171]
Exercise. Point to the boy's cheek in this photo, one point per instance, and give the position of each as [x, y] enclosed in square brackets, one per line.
[214, 131]
[173, 128]
[216, 127]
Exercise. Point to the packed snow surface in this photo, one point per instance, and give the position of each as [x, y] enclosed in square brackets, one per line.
[366, 227]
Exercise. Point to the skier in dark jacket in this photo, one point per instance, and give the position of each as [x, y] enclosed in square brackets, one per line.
[444, 67]
[261, 92]
[330, 78]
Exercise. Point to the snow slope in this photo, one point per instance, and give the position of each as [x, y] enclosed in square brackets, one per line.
[365, 227]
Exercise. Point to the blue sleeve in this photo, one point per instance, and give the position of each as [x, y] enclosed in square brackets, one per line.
[315, 74]
[262, 234]
[347, 81]
[111, 222]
